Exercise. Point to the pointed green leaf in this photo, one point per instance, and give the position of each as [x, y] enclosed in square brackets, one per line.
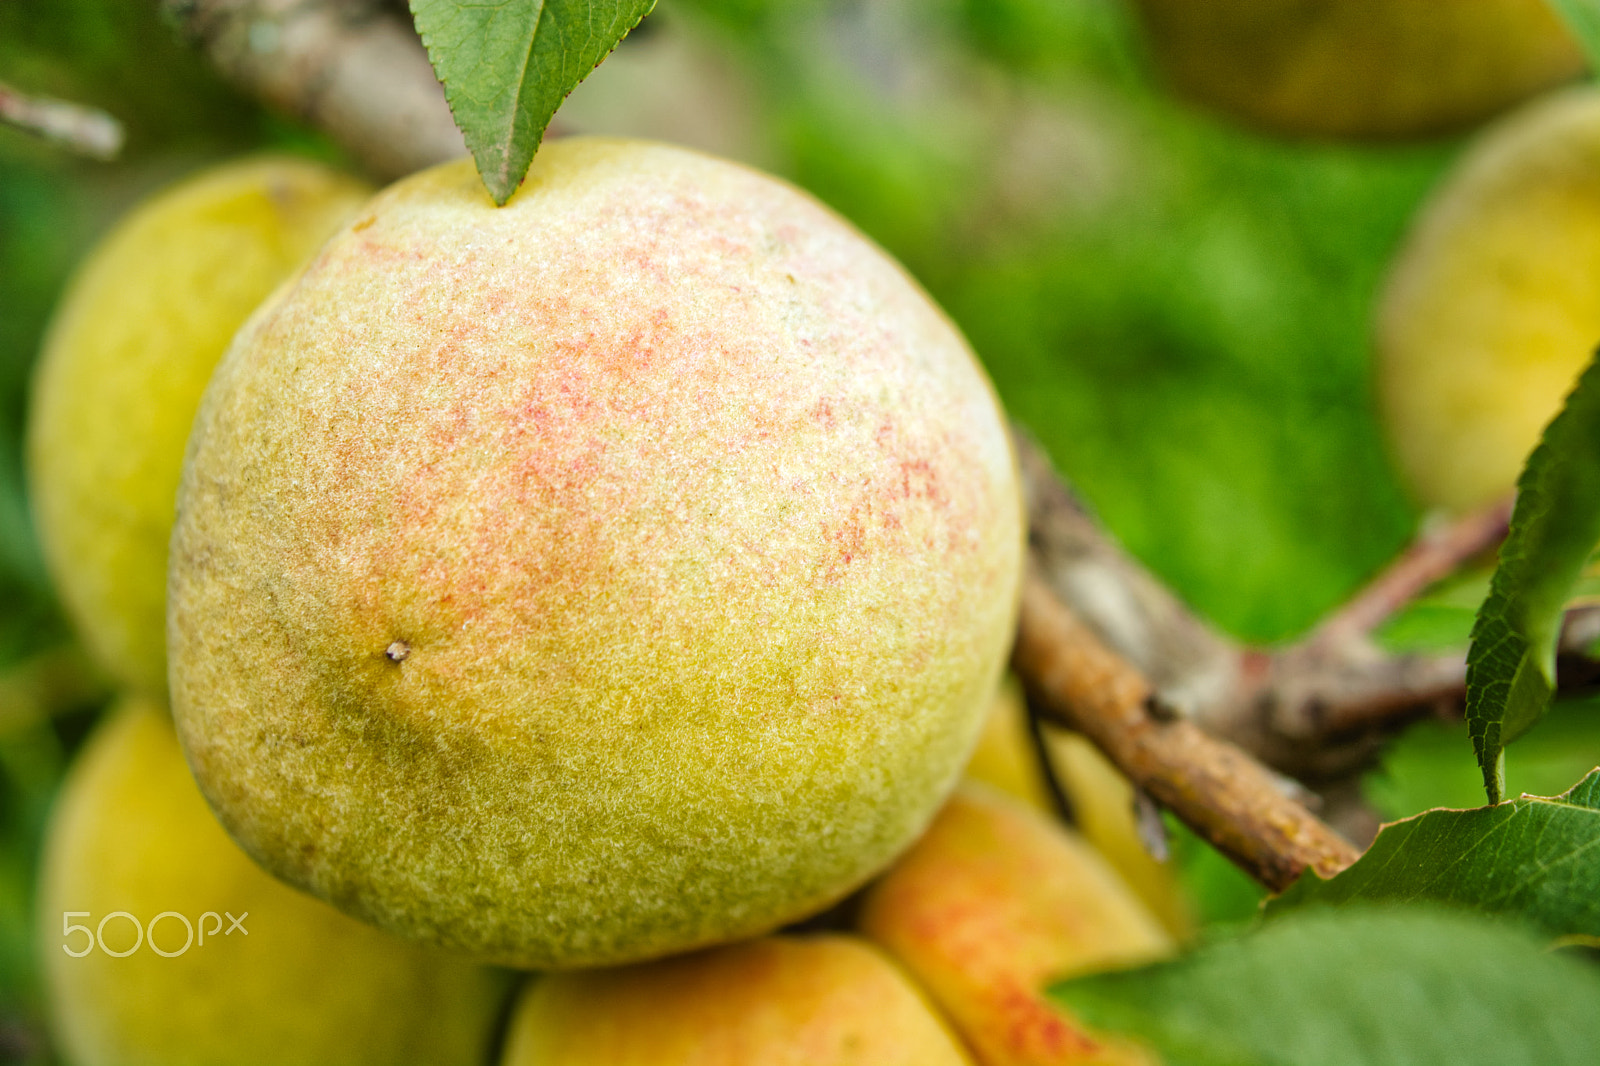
[1556, 524]
[1423, 769]
[1353, 988]
[506, 65]
[1537, 859]
[1583, 19]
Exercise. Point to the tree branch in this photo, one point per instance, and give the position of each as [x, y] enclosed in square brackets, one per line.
[86, 130]
[1217, 790]
[354, 69]
[1317, 708]
[1435, 555]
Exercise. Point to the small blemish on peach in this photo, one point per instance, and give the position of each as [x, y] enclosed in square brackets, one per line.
[397, 652]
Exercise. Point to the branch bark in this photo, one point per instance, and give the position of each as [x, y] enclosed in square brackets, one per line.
[353, 69]
[1221, 793]
[1317, 708]
[1435, 555]
[86, 130]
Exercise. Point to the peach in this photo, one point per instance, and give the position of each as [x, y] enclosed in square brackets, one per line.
[1102, 800]
[129, 352]
[779, 1001]
[164, 945]
[616, 573]
[1488, 315]
[992, 905]
[1361, 68]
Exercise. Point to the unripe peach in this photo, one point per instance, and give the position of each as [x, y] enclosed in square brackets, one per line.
[1489, 315]
[128, 354]
[777, 1001]
[201, 958]
[993, 904]
[1361, 68]
[1102, 800]
[622, 571]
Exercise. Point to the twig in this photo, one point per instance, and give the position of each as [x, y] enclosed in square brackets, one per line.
[86, 130]
[1322, 704]
[1221, 793]
[1435, 555]
[354, 69]
[1189, 663]
[1060, 800]
[1317, 708]
[1319, 716]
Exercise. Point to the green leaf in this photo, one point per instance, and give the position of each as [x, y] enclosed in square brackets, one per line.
[1222, 894]
[1535, 858]
[1423, 769]
[1511, 664]
[506, 66]
[1356, 987]
[1439, 620]
[1583, 19]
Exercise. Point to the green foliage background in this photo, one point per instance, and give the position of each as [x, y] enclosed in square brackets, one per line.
[1177, 308]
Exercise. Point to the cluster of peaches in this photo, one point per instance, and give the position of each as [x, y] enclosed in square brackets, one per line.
[782, 866]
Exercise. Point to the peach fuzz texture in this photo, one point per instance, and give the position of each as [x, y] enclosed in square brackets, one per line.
[618, 572]
[130, 349]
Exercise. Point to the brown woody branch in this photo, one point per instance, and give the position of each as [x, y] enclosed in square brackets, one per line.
[1221, 793]
[1316, 708]
[354, 69]
[86, 130]
[1434, 556]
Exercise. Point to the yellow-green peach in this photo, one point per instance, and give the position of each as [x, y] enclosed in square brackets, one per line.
[994, 903]
[619, 572]
[1360, 69]
[128, 353]
[778, 1001]
[164, 945]
[1488, 315]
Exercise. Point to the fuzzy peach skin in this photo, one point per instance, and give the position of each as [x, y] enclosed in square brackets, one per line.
[777, 1001]
[295, 984]
[993, 904]
[128, 354]
[619, 572]
[1490, 310]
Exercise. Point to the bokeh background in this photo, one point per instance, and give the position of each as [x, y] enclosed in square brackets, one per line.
[1177, 307]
